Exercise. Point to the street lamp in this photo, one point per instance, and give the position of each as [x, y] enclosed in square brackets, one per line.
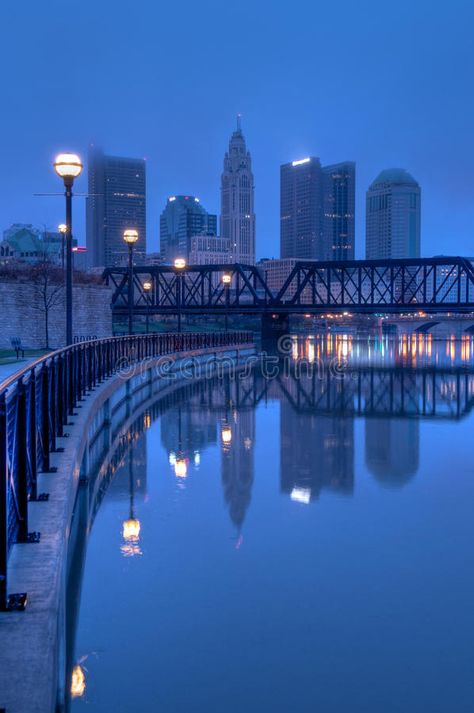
[147, 287]
[180, 264]
[226, 281]
[130, 236]
[62, 228]
[68, 166]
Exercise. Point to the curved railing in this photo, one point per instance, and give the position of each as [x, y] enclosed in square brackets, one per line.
[35, 404]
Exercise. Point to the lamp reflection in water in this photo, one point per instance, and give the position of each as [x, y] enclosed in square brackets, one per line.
[131, 526]
[78, 682]
[178, 460]
[226, 434]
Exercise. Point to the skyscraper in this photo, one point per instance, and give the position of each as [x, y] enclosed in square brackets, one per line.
[339, 211]
[183, 218]
[393, 216]
[300, 210]
[117, 201]
[317, 206]
[237, 199]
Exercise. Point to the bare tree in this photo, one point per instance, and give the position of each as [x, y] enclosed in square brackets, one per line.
[48, 282]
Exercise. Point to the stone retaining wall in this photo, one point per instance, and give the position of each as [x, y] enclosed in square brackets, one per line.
[23, 316]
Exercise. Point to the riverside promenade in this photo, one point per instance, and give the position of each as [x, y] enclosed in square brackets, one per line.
[48, 412]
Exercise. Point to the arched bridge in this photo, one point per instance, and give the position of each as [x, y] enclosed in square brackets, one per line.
[437, 285]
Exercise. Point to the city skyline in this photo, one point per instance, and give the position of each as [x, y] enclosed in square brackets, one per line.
[336, 181]
[373, 103]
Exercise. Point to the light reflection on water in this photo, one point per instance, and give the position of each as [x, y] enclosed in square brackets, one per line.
[304, 542]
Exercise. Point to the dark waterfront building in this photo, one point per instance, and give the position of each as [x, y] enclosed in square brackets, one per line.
[317, 210]
[393, 205]
[183, 218]
[237, 199]
[117, 201]
[339, 211]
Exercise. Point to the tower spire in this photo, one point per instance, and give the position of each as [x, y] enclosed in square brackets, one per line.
[239, 117]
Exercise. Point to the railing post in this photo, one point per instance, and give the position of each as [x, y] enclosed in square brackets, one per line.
[3, 504]
[21, 446]
[44, 425]
[60, 395]
[32, 434]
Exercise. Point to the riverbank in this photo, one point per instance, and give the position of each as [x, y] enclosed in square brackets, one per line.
[31, 660]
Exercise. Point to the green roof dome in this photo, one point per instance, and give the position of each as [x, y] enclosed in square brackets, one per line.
[395, 175]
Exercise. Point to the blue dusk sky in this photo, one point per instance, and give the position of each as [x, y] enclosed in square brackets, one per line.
[383, 84]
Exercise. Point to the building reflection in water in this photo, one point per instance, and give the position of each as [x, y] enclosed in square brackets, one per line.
[325, 461]
[392, 449]
[237, 462]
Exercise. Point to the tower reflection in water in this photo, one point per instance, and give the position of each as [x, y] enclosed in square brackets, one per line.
[237, 464]
[392, 449]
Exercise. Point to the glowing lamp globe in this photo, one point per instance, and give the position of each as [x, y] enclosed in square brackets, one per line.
[68, 165]
[130, 236]
[62, 228]
[180, 263]
[147, 285]
[226, 279]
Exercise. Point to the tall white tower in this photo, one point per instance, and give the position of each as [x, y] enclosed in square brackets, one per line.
[237, 199]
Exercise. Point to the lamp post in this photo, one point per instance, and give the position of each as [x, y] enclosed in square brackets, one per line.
[226, 280]
[130, 236]
[180, 264]
[62, 228]
[68, 166]
[147, 287]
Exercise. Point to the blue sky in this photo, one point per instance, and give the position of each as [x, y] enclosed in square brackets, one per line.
[382, 84]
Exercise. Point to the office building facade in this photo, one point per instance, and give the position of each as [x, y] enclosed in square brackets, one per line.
[210, 250]
[339, 211]
[300, 209]
[317, 210]
[182, 218]
[116, 201]
[237, 222]
[393, 208]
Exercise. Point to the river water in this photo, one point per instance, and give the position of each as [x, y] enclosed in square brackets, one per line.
[296, 537]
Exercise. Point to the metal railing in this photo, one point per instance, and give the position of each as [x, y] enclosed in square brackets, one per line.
[35, 406]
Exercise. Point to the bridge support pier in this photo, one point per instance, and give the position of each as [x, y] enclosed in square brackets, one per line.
[274, 326]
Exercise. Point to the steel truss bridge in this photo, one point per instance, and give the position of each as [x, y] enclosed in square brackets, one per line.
[436, 285]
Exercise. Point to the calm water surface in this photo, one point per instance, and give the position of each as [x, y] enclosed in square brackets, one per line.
[291, 544]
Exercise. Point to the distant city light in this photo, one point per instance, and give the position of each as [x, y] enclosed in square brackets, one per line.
[301, 160]
[196, 200]
[172, 198]
[301, 495]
